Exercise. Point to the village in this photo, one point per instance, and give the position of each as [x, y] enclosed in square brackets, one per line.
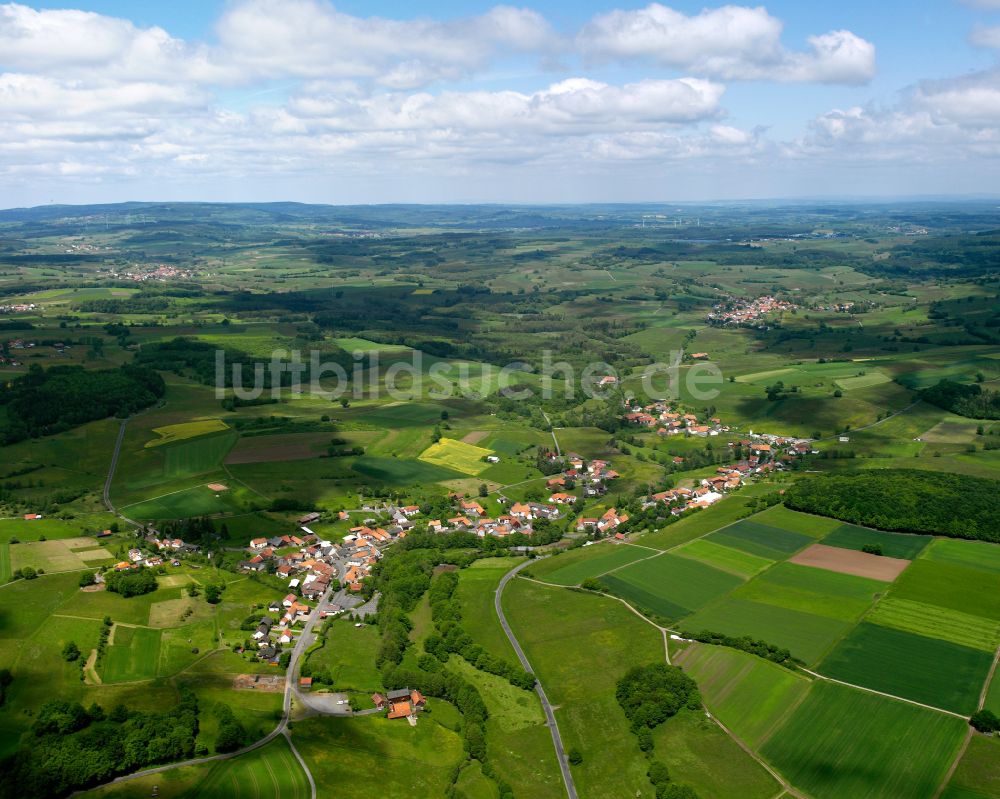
[738, 311]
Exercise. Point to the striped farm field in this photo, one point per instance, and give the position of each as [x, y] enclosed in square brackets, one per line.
[750, 695]
[818, 591]
[270, 771]
[975, 554]
[670, 585]
[576, 566]
[734, 561]
[806, 635]
[933, 621]
[761, 539]
[972, 591]
[894, 545]
[927, 670]
[796, 522]
[841, 742]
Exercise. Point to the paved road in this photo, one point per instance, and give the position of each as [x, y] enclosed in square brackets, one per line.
[111, 474]
[549, 713]
[291, 688]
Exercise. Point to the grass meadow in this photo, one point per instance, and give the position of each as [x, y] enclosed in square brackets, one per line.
[579, 644]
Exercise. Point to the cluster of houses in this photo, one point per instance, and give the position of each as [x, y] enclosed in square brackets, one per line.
[160, 272]
[669, 422]
[403, 703]
[592, 475]
[746, 312]
[20, 307]
[605, 524]
[767, 453]
[472, 518]
[157, 552]
[312, 565]
[270, 636]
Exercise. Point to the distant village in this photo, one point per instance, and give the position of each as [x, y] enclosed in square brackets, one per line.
[739, 312]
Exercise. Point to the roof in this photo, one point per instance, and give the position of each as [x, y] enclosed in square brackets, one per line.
[400, 693]
[400, 710]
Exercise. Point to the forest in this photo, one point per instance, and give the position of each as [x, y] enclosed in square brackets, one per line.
[905, 500]
[48, 401]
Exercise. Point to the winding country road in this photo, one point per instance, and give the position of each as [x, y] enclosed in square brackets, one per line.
[549, 712]
[291, 690]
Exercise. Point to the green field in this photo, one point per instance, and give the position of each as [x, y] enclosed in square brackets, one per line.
[762, 540]
[978, 772]
[751, 696]
[669, 585]
[699, 754]
[579, 644]
[728, 559]
[796, 522]
[841, 742]
[806, 635]
[572, 568]
[270, 772]
[173, 433]
[927, 670]
[197, 456]
[894, 545]
[348, 653]
[937, 622]
[476, 588]
[403, 471]
[971, 591]
[409, 761]
[134, 655]
[975, 554]
[457, 455]
[197, 501]
[818, 591]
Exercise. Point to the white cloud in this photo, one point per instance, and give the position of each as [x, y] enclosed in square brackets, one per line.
[311, 39]
[570, 106]
[731, 42]
[942, 120]
[986, 36]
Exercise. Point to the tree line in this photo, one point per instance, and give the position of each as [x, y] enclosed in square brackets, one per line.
[905, 500]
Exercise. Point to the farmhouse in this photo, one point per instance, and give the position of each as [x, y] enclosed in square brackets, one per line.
[403, 702]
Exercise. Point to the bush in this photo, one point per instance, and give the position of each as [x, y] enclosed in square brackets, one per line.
[71, 651]
[575, 756]
[131, 583]
[872, 549]
[650, 695]
[87, 578]
[985, 721]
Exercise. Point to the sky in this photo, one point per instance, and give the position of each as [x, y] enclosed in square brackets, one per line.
[473, 101]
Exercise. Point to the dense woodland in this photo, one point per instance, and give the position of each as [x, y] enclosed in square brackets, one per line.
[72, 747]
[966, 400]
[905, 500]
[49, 401]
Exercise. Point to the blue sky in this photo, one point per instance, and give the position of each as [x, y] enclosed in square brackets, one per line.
[479, 101]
